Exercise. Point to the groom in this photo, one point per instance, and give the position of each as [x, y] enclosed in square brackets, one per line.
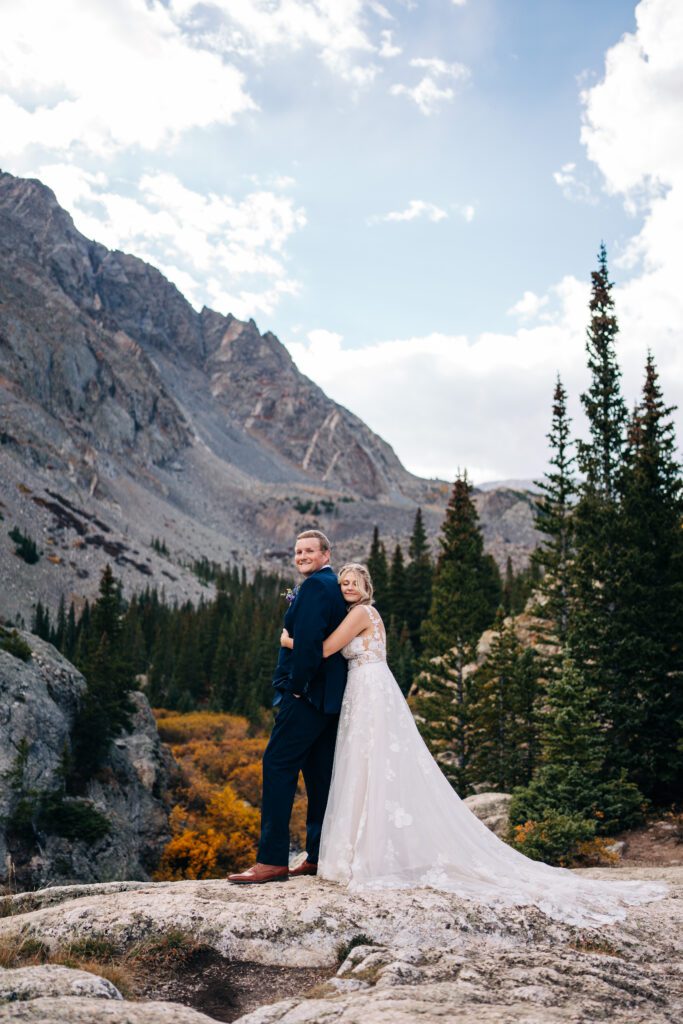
[309, 691]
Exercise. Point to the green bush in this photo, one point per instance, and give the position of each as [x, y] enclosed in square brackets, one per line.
[25, 546]
[15, 645]
[73, 819]
[557, 789]
[554, 839]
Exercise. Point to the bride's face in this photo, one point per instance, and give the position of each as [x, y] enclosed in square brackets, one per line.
[349, 588]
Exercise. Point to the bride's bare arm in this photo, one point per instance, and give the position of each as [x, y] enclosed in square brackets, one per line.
[355, 622]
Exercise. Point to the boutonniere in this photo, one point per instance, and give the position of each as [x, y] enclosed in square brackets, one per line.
[290, 594]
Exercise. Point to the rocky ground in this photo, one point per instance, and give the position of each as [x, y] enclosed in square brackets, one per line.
[308, 951]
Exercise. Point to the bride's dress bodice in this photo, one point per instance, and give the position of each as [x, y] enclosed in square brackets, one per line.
[394, 821]
[365, 649]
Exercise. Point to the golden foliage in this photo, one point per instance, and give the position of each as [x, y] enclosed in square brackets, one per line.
[215, 821]
[596, 853]
[247, 781]
[179, 727]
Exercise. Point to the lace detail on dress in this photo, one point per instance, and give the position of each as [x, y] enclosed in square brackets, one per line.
[364, 650]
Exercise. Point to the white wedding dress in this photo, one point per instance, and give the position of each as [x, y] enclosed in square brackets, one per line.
[394, 821]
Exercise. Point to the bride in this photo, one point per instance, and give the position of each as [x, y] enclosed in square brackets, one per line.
[394, 821]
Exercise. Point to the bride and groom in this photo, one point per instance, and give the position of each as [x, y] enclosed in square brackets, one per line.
[381, 815]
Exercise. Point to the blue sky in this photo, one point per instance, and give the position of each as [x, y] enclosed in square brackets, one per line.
[409, 194]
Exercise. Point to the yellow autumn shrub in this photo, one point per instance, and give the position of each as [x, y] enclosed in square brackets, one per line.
[247, 781]
[215, 819]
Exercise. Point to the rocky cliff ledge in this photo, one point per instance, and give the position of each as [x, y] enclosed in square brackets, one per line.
[381, 958]
[38, 703]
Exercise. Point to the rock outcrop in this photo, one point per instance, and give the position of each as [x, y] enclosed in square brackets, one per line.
[493, 809]
[38, 703]
[405, 955]
[126, 415]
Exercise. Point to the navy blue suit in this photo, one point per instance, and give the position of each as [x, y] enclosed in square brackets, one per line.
[309, 692]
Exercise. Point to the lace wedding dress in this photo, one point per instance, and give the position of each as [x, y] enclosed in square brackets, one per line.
[394, 821]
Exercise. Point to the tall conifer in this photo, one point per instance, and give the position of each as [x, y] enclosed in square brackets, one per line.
[398, 595]
[571, 779]
[554, 509]
[419, 574]
[466, 589]
[503, 712]
[379, 571]
[595, 635]
[651, 721]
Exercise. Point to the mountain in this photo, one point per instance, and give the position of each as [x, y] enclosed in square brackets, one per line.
[128, 417]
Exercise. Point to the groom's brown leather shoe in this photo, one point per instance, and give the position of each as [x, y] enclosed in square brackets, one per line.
[304, 869]
[261, 873]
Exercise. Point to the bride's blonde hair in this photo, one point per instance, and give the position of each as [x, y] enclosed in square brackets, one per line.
[363, 579]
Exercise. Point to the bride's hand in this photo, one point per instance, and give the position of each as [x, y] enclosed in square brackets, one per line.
[286, 640]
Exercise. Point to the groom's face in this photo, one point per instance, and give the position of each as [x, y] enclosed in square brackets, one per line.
[308, 556]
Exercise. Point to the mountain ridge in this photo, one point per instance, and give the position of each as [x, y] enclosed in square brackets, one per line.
[164, 422]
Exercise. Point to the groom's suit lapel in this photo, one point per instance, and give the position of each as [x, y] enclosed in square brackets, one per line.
[290, 614]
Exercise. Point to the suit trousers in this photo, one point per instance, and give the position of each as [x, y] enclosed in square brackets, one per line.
[302, 740]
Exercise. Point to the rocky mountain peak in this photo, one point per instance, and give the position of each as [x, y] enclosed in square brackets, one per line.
[159, 420]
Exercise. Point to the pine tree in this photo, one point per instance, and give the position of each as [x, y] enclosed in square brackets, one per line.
[59, 636]
[41, 621]
[508, 587]
[400, 655]
[466, 589]
[503, 712]
[595, 635]
[106, 707]
[398, 595]
[441, 704]
[554, 521]
[651, 607]
[600, 458]
[572, 778]
[379, 571]
[419, 574]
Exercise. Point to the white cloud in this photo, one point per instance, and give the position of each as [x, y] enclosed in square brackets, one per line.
[428, 94]
[459, 3]
[415, 209]
[440, 67]
[632, 132]
[529, 306]
[573, 188]
[387, 48]
[102, 76]
[220, 251]
[484, 403]
[447, 400]
[336, 29]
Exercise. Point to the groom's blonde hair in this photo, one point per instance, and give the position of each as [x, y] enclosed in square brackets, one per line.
[363, 579]
[319, 535]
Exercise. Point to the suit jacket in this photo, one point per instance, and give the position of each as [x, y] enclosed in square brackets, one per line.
[316, 612]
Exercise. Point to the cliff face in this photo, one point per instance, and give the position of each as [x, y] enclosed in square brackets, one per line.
[38, 703]
[122, 406]
[123, 310]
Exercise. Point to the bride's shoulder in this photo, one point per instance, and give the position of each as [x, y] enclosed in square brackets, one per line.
[366, 613]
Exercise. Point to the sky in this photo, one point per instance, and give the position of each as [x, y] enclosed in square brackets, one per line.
[410, 194]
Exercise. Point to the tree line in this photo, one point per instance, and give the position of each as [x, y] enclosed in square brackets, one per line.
[584, 724]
